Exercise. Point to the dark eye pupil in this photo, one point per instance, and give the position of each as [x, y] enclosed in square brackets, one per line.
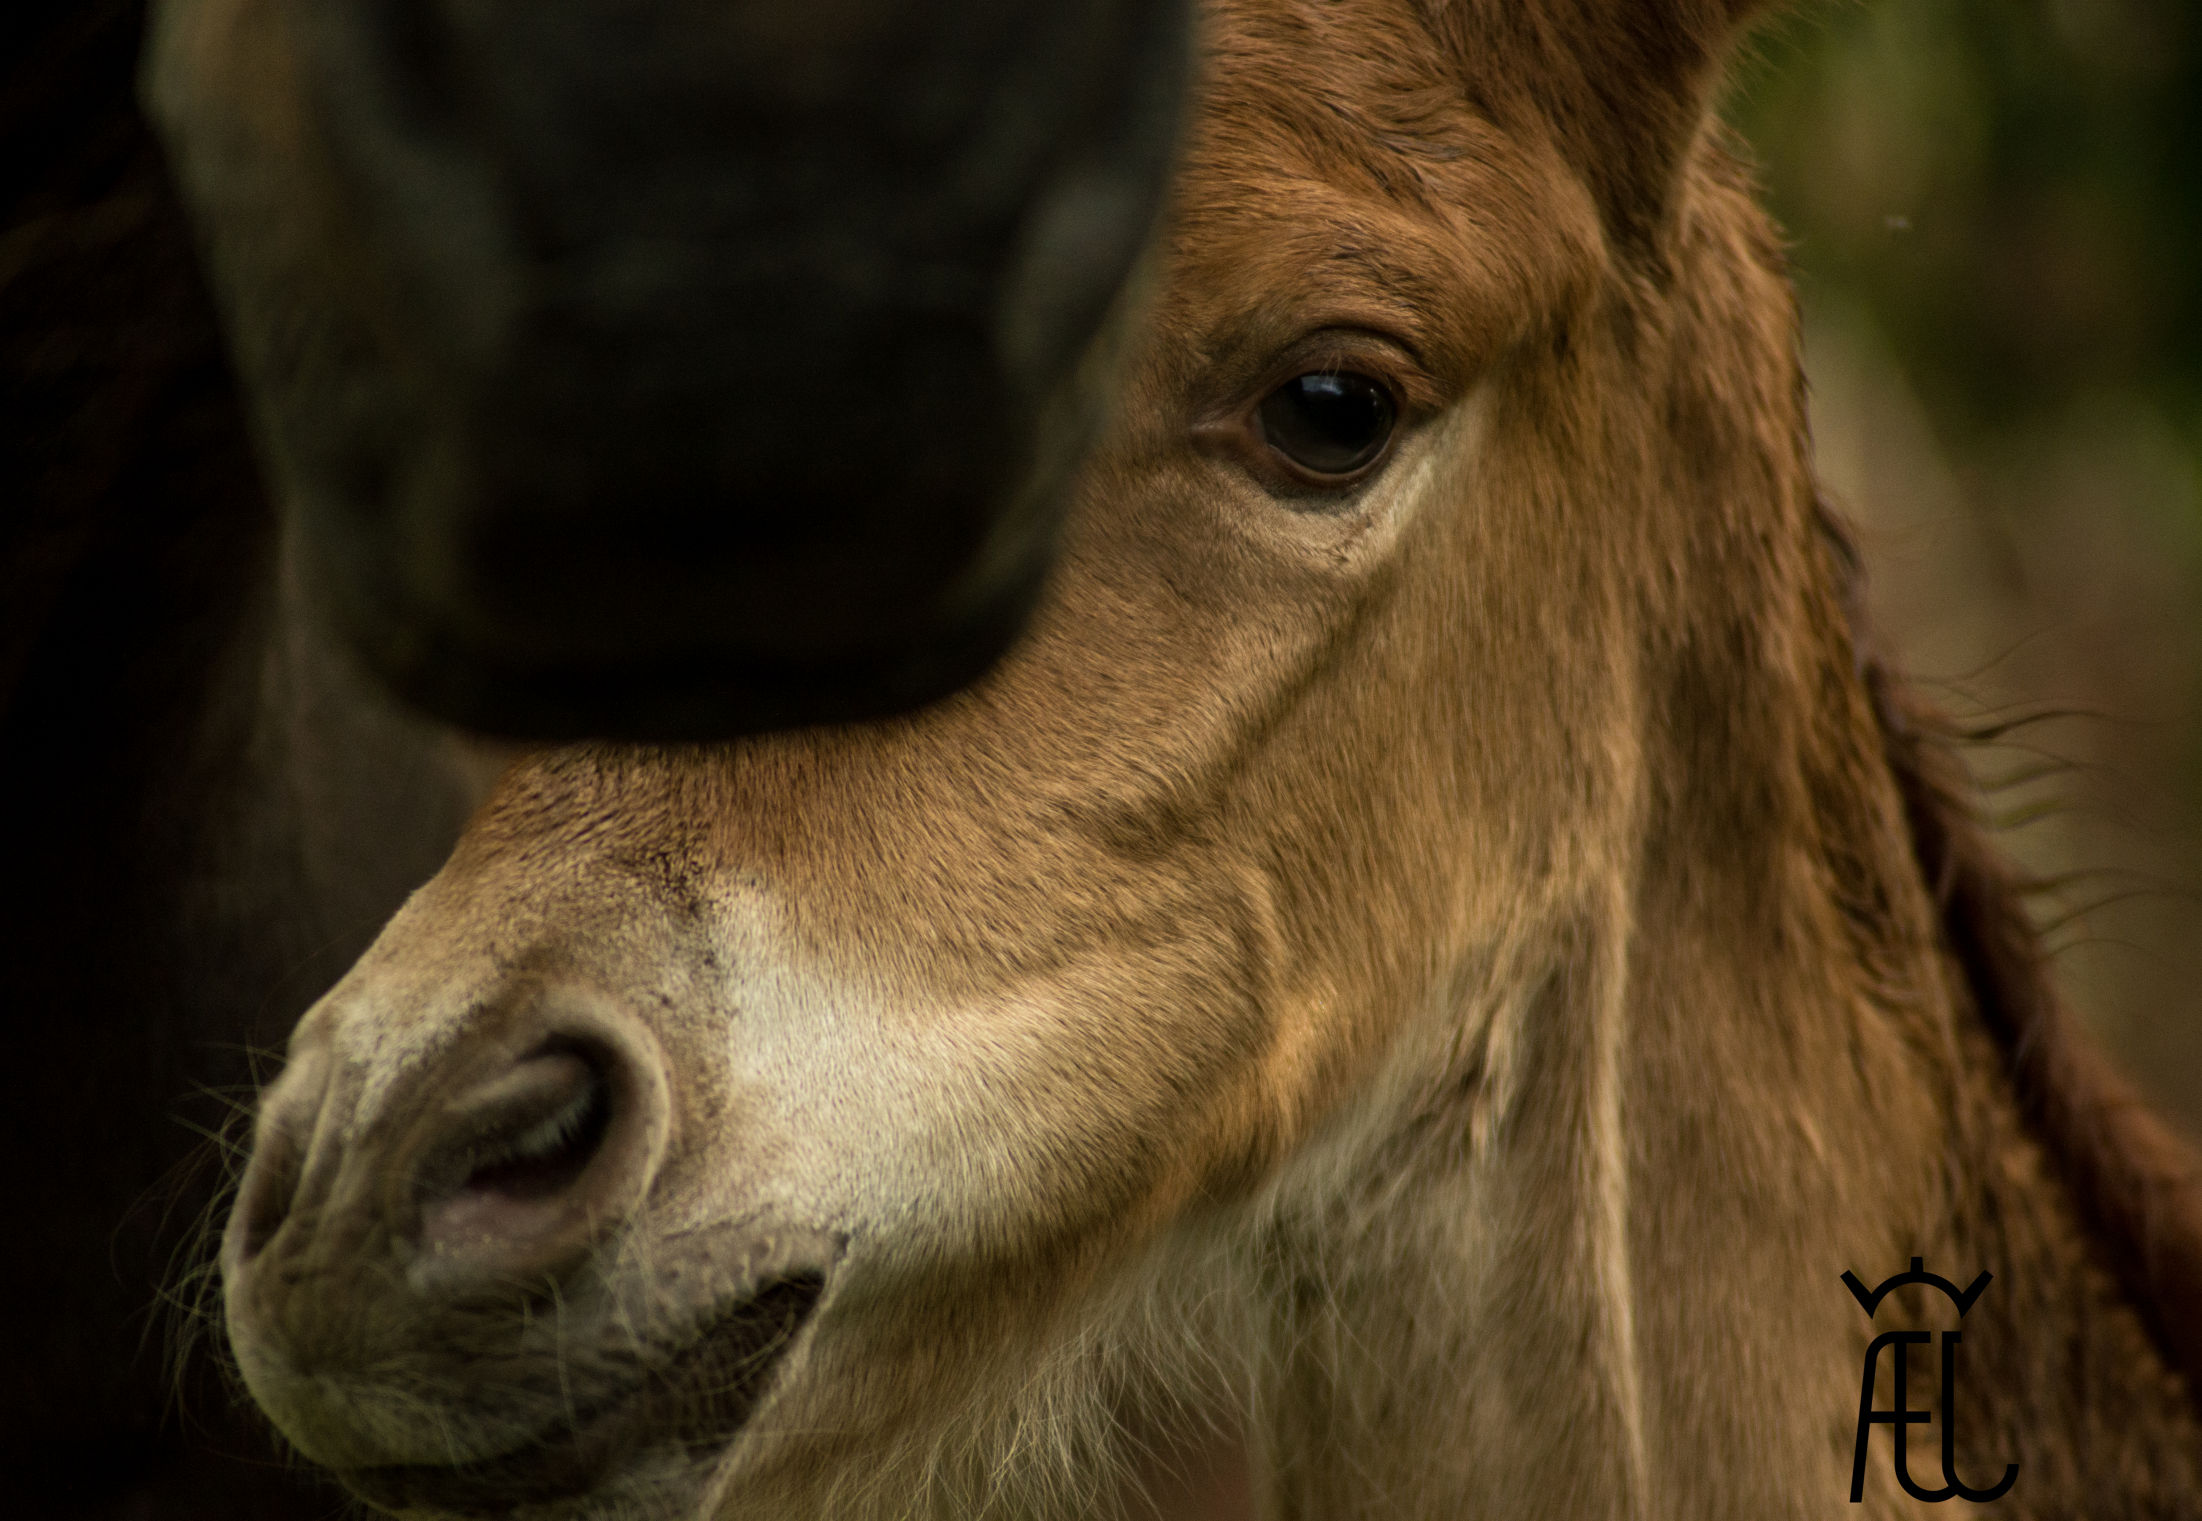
[1328, 423]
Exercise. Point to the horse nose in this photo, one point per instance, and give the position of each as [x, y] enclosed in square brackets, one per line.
[268, 1189]
[504, 1162]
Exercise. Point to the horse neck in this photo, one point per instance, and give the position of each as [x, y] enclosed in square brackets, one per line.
[1592, 1257]
[1597, 1266]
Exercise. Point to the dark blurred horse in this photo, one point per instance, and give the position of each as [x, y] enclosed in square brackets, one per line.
[659, 370]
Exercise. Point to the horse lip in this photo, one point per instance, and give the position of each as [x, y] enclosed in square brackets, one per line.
[698, 1402]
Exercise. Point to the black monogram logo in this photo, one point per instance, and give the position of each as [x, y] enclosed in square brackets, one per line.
[1899, 1416]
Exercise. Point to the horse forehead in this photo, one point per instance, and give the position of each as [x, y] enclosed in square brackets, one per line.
[1353, 102]
[1339, 166]
[1375, 62]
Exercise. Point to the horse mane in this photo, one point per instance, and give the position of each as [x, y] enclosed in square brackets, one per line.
[2136, 1185]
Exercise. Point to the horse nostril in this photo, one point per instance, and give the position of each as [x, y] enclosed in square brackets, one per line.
[536, 1157]
[529, 1165]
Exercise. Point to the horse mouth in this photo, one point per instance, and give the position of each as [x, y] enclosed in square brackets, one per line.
[692, 1405]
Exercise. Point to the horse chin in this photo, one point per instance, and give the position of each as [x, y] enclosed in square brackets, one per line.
[644, 1442]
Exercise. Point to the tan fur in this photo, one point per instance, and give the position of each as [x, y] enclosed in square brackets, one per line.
[1429, 990]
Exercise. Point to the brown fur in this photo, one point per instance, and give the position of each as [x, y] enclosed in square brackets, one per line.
[1432, 985]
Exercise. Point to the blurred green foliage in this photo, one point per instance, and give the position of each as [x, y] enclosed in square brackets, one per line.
[1995, 208]
[2012, 187]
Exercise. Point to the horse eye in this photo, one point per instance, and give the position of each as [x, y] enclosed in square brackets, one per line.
[1329, 422]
